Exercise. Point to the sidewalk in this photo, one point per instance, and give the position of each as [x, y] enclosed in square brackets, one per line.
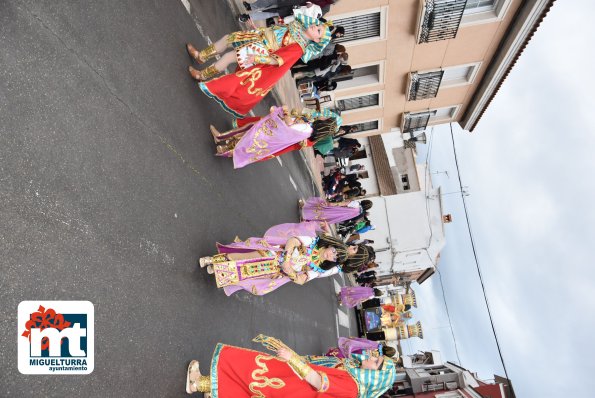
[285, 93]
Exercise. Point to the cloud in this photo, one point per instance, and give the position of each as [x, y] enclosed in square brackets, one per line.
[529, 167]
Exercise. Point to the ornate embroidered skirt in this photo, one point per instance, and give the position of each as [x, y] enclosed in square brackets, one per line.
[351, 296]
[242, 373]
[316, 209]
[229, 273]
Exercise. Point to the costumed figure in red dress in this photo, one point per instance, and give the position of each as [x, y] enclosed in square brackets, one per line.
[263, 56]
[279, 132]
[241, 373]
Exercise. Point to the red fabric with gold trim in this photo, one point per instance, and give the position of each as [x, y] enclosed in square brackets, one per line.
[239, 92]
[246, 373]
[243, 121]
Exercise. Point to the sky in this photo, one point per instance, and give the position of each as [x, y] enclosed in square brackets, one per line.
[530, 171]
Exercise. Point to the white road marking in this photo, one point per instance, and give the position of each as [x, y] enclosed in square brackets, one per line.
[188, 8]
[343, 319]
[293, 183]
[337, 286]
[279, 160]
[337, 324]
[186, 5]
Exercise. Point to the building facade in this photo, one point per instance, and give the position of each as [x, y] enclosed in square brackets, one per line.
[409, 232]
[427, 376]
[418, 63]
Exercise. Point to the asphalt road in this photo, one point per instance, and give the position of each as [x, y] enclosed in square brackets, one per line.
[110, 193]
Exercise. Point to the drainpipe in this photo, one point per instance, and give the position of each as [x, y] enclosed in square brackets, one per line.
[390, 244]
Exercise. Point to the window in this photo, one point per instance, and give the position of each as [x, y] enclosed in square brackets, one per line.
[363, 26]
[366, 126]
[359, 27]
[371, 71]
[363, 101]
[362, 76]
[424, 85]
[406, 187]
[440, 20]
[417, 121]
[483, 11]
[476, 6]
[443, 114]
[459, 75]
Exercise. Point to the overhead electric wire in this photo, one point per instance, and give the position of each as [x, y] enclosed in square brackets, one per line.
[426, 173]
[448, 315]
[485, 296]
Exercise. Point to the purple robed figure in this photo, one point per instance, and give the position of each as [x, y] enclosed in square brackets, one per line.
[273, 242]
[316, 209]
[268, 136]
[274, 237]
[353, 345]
[354, 295]
[279, 234]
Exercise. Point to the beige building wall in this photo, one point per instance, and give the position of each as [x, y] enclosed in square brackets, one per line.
[397, 53]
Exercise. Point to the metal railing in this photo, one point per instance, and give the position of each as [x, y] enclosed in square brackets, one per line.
[441, 20]
[416, 121]
[424, 85]
[366, 126]
[358, 102]
[359, 27]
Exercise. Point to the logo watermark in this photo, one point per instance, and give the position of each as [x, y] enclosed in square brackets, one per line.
[56, 337]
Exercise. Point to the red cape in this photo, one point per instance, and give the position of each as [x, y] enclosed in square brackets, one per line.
[239, 92]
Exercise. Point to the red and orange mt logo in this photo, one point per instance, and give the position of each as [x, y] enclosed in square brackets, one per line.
[42, 319]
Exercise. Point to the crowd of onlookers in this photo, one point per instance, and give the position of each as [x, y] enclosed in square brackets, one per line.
[342, 184]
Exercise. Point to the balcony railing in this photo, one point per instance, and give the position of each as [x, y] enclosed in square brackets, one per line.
[358, 102]
[416, 121]
[367, 126]
[441, 20]
[424, 85]
[359, 27]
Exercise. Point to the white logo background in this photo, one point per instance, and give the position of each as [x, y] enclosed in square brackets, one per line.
[26, 308]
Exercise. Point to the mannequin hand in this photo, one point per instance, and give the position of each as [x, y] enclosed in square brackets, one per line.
[301, 279]
[284, 354]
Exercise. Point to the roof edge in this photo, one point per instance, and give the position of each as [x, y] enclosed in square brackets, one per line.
[525, 23]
